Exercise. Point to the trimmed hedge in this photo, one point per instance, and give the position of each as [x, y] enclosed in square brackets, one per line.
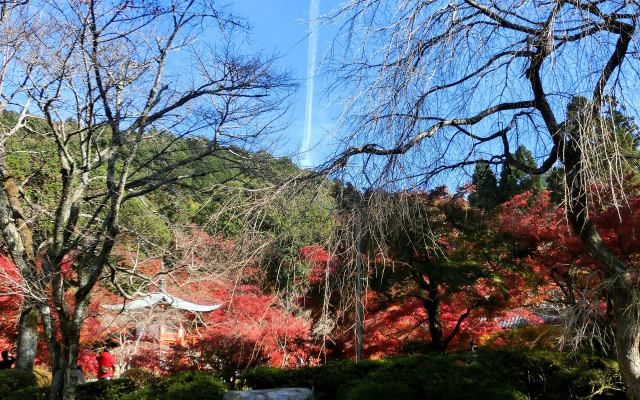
[182, 386]
[105, 390]
[140, 376]
[487, 374]
[12, 380]
[17, 384]
[29, 393]
[541, 337]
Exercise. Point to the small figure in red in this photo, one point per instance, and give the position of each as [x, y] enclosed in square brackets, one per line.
[106, 364]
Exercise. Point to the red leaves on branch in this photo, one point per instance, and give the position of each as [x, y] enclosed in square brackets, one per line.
[9, 302]
[557, 256]
[320, 261]
[257, 327]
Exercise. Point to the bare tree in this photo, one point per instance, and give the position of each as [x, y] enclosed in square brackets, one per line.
[441, 85]
[16, 70]
[119, 85]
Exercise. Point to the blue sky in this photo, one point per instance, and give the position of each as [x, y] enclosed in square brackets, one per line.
[282, 27]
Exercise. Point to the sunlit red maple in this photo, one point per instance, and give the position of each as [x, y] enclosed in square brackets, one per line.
[9, 303]
[255, 326]
[252, 328]
[556, 255]
[475, 293]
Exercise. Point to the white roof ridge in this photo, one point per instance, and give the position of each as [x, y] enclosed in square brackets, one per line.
[154, 298]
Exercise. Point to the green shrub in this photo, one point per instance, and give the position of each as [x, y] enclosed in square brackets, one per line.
[543, 337]
[12, 380]
[330, 378]
[140, 376]
[266, 378]
[29, 393]
[367, 389]
[556, 375]
[484, 375]
[105, 390]
[182, 386]
[438, 376]
[325, 380]
[16, 384]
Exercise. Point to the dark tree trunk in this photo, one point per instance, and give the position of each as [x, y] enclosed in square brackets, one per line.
[70, 360]
[56, 389]
[64, 355]
[428, 292]
[627, 334]
[432, 306]
[623, 294]
[27, 338]
[64, 382]
[57, 381]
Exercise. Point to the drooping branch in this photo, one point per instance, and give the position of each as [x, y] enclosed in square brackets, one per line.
[377, 150]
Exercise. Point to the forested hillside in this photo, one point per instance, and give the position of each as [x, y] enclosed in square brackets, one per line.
[203, 218]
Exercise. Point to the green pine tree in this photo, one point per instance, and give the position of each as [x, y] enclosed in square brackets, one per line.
[486, 184]
[554, 182]
[621, 131]
[513, 180]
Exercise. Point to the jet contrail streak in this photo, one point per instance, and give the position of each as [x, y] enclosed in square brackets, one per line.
[314, 13]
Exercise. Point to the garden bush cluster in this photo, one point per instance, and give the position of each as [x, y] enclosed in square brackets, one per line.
[17, 385]
[486, 374]
[20, 385]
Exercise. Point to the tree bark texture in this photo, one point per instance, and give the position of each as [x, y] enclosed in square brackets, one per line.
[27, 338]
[428, 292]
[626, 306]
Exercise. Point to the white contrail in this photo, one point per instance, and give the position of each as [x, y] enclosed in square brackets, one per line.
[314, 13]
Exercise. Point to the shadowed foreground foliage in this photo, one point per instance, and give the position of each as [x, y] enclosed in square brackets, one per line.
[179, 386]
[487, 374]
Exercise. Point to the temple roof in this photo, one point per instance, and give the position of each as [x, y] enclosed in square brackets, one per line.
[163, 298]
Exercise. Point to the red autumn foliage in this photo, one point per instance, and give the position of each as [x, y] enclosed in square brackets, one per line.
[476, 291]
[252, 327]
[556, 255]
[9, 303]
[255, 326]
[320, 260]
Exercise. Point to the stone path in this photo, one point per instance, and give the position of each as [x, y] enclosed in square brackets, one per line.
[270, 394]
